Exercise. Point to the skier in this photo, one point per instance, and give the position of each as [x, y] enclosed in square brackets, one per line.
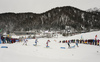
[47, 43]
[36, 42]
[25, 41]
[68, 44]
[77, 43]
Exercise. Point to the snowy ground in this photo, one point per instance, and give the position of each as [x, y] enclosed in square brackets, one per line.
[20, 53]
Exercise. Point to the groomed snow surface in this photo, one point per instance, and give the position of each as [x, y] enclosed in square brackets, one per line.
[18, 52]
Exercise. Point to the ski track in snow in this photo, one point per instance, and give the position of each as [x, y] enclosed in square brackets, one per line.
[18, 52]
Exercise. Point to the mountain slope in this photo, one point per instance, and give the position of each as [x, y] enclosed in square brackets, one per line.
[56, 18]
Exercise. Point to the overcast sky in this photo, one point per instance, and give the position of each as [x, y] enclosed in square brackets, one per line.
[39, 6]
